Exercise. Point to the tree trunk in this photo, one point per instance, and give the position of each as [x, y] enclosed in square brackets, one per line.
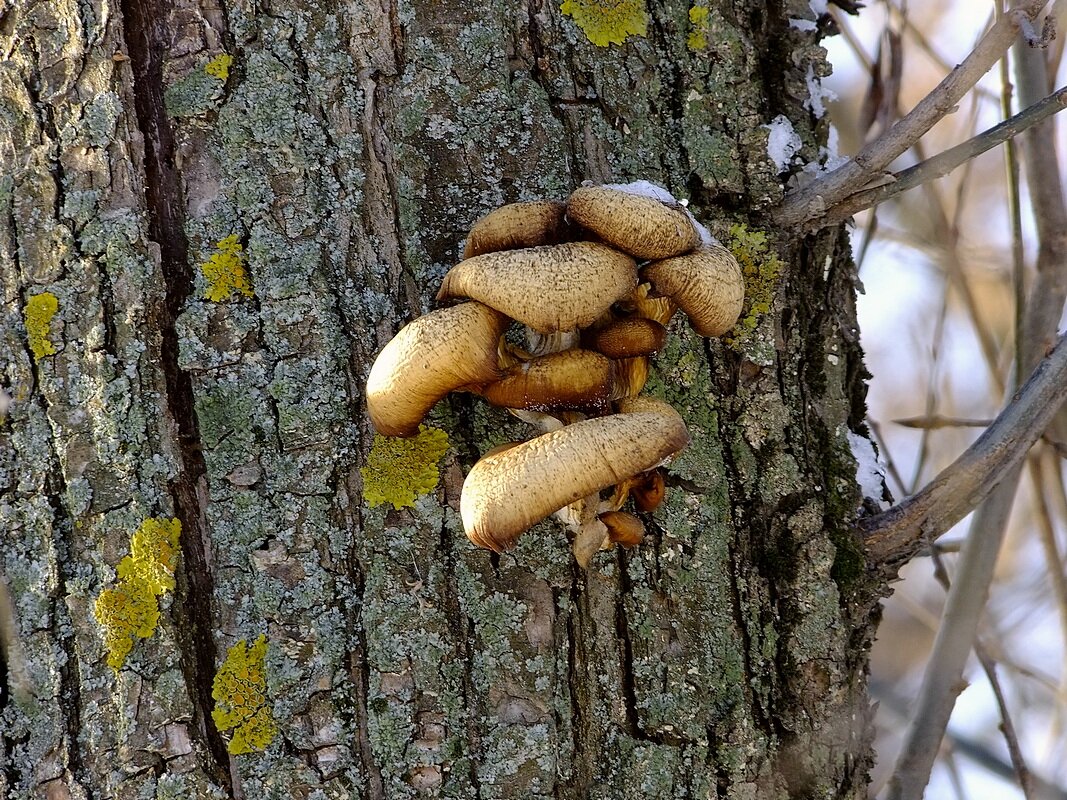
[348, 148]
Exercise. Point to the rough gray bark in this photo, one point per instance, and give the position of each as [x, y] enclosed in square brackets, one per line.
[349, 150]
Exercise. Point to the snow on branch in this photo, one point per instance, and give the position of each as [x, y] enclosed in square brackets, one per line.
[806, 207]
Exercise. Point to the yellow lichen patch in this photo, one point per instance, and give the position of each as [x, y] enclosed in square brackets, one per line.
[608, 21]
[154, 553]
[698, 36]
[761, 268]
[400, 469]
[128, 610]
[240, 693]
[131, 608]
[219, 66]
[38, 314]
[225, 271]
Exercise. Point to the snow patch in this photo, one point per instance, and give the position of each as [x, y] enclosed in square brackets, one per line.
[817, 94]
[657, 192]
[870, 469]
[783, 142]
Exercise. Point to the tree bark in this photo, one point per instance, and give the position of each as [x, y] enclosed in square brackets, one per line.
[349, 149]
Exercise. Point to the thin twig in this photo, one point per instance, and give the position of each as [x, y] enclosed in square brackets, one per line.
[890, 462]
[927, 47]
[931, 393]
[806, 206]
[944, 163]
[895, 534]
[936, 421]
[989, 666]
[942, 678]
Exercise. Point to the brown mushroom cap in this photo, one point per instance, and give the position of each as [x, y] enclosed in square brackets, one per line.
[448, 349]
[623, 529]
[555, 288]
[572, 379]
[506, 493]
[627, 337]
[707, 285]
[516, 225]
[641, 226]
[648, 490]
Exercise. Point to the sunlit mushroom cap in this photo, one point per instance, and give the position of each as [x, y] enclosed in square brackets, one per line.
[572, 379]
[448, 349]
[540, 222]
[641, 226]
[707, 285]
[507, 492]
[554, 288]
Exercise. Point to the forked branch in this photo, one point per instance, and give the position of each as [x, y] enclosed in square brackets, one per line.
[806, 207]
[898, 533]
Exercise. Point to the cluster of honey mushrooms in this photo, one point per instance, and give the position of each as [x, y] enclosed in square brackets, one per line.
[594, 281]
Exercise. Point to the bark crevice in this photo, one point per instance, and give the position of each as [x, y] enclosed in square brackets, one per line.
[146, 43]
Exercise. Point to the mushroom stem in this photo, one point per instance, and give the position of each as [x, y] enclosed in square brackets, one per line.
[542, 344]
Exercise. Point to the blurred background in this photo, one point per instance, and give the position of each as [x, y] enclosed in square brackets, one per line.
[937, 321]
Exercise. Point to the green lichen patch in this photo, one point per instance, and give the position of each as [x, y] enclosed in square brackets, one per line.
[607, 22]
[398, 470]
[240, 694]
[225, 271]
[130, 609]
[38, 315]
[761, 268]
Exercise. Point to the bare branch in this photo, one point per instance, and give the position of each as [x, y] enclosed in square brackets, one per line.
[897, 534]
[989, 666]
[938, 421]
[943, 163]
[805, 207]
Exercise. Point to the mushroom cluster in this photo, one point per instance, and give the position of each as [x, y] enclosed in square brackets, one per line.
[594, 281]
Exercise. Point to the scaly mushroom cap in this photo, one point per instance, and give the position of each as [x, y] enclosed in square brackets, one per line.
[448, 349]
[572, 379]
[628, 337]
[515, 225]
[555, 288]
[707, 285]
[639, 225]
[507, 492]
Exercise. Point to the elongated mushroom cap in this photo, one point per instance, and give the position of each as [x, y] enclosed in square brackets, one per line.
[515, 225]
[627, 337]
[572, 379]
[507, 492]
[641, 226]
[707, 285]
[554, 288]
[448, 349]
